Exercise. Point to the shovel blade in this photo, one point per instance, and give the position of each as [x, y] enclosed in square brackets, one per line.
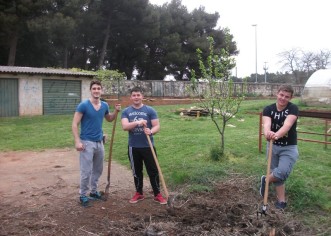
[106, 193]
[263, 211]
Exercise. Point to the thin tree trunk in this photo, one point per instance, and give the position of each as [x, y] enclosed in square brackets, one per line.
[222, 136]
[12, 48]
[104, 46]
[65, 59]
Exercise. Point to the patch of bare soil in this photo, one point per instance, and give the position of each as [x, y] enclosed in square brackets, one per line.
[39, 196]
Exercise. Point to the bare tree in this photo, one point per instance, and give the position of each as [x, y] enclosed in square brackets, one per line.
[322, 59]
[308, 60]
[291, 62]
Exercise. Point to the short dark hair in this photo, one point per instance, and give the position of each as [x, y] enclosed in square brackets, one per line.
[286, 88]
[95, 82]
[137, 89]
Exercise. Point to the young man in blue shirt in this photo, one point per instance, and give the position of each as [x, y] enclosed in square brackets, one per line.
[90, 114]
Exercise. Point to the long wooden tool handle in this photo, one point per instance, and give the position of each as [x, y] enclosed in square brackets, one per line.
[158, 167]
[111, 146]
[266, 190]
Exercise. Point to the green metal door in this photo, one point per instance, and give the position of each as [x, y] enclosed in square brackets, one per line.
[8, 97]
[61, 96]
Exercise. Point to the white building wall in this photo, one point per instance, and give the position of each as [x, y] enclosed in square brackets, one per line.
[30, 95]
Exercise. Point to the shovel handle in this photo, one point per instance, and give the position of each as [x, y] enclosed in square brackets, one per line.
[266, 190]
[111, 146]
[158, 167]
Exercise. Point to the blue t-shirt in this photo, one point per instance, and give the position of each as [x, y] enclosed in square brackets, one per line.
[91, 123]
[278, 119]
[137, 137]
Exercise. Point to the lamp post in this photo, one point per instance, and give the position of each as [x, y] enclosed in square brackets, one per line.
[255, 25]
[265, 68]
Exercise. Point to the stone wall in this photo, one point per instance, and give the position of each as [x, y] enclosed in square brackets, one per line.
[151, 101]
[175, 93]
[180, 89]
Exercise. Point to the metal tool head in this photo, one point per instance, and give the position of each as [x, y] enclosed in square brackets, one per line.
[170, 200]
[104, 195]
[262, 211]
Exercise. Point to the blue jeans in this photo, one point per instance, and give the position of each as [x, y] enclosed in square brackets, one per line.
[91, 165]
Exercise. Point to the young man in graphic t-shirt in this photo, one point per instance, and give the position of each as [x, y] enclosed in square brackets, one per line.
[279, 127]
[141, 120]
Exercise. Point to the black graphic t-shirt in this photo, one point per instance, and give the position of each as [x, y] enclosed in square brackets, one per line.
[278, 119]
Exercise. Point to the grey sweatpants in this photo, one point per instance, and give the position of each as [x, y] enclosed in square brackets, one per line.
[91, 166]
[282, 162]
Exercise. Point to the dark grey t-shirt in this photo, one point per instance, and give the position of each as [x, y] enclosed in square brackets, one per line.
[137, 137]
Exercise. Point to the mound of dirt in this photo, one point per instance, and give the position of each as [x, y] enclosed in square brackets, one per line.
[39, 196]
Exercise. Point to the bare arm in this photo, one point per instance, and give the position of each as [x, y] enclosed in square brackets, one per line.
[75, 124]
[155, 127]
[111, 116]
[289, 121]
[127, 126]
[266, 120]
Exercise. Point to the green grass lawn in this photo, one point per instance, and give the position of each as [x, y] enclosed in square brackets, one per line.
[183, 147]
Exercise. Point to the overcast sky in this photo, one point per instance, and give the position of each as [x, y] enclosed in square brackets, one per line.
[281, 26]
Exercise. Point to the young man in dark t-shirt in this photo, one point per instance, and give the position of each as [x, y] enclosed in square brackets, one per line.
[279, 127]
[141, 120]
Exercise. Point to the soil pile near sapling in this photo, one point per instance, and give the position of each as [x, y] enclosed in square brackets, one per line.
[39, 197]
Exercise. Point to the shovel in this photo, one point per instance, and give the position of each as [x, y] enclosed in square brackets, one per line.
[160, 172]
[266, 190]
[106, 194]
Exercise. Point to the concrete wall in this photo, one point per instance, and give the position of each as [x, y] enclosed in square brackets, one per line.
[30, 95]
[86, 88]
[181, 89]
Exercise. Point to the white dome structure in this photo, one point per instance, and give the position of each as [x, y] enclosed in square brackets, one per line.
[317, 90]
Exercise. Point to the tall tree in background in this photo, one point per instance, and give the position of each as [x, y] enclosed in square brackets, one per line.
[181, 32]
[14, 15]
[164, 53]
[59, 23]
[134, 24]
[122, 35]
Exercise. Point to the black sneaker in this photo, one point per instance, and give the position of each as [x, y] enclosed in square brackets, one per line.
[280, 205]
[96, 196]
[262, 187]
[84, 201]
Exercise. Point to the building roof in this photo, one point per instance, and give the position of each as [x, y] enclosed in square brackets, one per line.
[47, 71]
